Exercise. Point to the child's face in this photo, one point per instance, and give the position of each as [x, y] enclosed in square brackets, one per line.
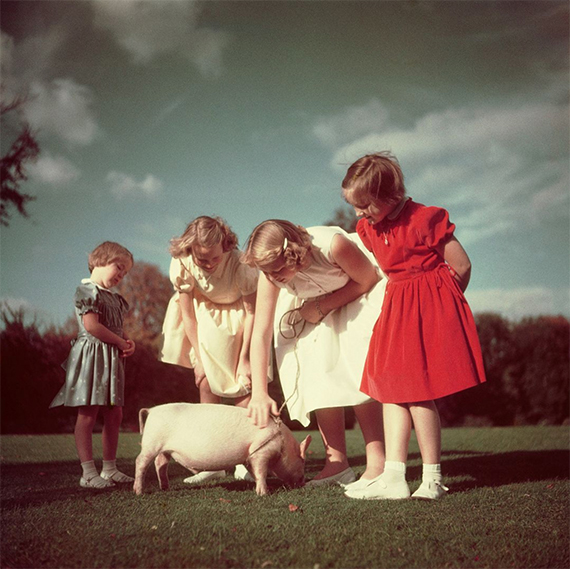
[208, 258]
[112, 274]
[280, 271]
[373, 211]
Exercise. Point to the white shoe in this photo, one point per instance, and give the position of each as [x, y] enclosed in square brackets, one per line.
[360, 483]
[430, 490]
[345, 477]
[96, 482]
[204, 476]
[379, 490]
[241, 473]
[117, 476]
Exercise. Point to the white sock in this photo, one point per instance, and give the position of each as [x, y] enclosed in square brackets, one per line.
[109, 466]
[394, 471]
[89, 470]
[431, 473]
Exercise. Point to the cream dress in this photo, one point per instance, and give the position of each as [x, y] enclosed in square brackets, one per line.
[322, 367]
[220, 314]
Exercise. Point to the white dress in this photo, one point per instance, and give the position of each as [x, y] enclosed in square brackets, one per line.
[219, 309]
[322, 367]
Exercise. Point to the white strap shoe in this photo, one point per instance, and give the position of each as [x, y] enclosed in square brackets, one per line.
[430, 490]
[204, 476]
[380, 490]
[345, 477]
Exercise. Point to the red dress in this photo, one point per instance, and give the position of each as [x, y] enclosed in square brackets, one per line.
[425, 344]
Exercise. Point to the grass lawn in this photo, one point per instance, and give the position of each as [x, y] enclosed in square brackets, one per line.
[507, 507]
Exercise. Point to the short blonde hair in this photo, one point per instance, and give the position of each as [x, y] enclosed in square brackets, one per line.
[377, 176]
[204, 231]
[107, 252]
[276, 239]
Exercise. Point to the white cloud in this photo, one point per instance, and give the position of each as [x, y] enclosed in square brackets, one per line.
[355, 121]
[149, 29]
[123, 186]
[520, 302]
[64, 108]
[499, 168]
[53, 170]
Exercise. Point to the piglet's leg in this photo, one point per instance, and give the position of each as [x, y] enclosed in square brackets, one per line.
[141, 464]
[259, 469]
[161, 466]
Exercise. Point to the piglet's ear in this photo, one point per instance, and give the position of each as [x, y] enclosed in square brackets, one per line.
[305, 445]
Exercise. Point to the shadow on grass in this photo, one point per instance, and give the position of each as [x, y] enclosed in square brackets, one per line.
[29, 485]
[489, 470]
[44, 483]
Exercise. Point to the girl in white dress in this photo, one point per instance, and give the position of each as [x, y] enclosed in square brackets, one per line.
[320, 294]
[209, 320]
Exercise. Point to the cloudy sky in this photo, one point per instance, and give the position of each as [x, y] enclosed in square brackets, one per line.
[150, 113]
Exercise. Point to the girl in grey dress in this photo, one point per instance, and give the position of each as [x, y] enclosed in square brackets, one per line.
[95, 375]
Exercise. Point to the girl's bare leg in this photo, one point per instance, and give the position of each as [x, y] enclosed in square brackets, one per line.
[331, 427]
[86, 417]
[428, 430]
[206, 395]
[397, 431]
[369, 418]
[112, 416]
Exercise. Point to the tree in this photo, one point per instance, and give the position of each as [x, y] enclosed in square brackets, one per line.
[147, 291]
[24, 149]
[345, 218]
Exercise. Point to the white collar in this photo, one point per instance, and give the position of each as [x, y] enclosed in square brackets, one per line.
[90, 281]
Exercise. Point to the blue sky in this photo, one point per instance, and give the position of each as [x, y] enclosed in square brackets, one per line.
[150, 113]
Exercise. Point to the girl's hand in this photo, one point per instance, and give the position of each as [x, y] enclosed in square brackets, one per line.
[310, 312]
[244, 371]
[129, 350]
[259, 408]
[199, 374]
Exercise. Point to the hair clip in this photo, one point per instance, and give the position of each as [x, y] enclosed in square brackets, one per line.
[285, 243]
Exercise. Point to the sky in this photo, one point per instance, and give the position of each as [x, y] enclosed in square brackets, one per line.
[151, 113]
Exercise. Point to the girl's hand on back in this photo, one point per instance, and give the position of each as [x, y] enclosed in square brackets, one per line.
[130, 350]
[259, 408]
[199, 374]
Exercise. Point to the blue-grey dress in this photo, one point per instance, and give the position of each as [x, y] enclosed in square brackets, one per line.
[95, 372]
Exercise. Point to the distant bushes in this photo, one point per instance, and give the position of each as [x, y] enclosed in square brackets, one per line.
[527, 366]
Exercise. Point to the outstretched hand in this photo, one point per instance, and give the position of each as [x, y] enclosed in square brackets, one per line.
[259, 409]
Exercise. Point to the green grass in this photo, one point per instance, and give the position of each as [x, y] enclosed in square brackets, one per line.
[507, 507]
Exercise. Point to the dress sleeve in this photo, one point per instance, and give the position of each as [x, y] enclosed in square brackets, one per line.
[435, 227]
[87, 299]
[246, 278]
[180, 276]
[361, 230]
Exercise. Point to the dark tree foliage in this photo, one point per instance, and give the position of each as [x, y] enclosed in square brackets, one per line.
[345, 218]
[24, 149]
[147, 291]
[527, 367]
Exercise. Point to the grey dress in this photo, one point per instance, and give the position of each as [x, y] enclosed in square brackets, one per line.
[95, 372]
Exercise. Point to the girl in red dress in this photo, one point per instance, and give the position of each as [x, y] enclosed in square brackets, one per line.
[425, 344]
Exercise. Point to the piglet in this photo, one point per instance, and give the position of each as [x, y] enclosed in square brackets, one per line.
[217, 437]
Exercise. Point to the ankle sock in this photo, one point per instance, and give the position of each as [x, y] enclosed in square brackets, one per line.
[109, 466]
[89, 470]
[431, 473]
[394, 472]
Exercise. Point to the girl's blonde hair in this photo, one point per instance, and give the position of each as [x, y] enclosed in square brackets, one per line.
[106, 253]
[277, 239]
[377, 176]
[204, 231]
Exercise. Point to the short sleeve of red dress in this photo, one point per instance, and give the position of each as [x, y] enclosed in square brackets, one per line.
[434, 227]
[361, 230]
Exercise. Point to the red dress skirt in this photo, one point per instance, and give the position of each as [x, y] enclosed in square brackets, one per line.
[425, 343]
